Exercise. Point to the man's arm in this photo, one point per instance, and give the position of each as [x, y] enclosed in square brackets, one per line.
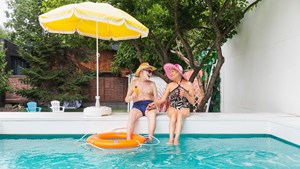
[130, 93]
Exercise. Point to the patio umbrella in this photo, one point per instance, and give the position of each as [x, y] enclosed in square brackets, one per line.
[97, 20]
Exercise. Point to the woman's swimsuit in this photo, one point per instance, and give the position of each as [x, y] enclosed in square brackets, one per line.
[142, 105]
[176, 101]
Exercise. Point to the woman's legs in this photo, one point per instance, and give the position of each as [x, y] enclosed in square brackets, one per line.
[181, 115]
[134, 114]
[172, 113]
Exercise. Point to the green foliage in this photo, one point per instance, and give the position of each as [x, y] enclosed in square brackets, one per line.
[4, 33]
[128, 58]
[54, 60]
[156, 16]
[185, 26]
[208, 68]
[195, 26]
[212, 60]
[4, 85]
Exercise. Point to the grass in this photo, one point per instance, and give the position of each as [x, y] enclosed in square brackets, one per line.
[81, 110]
[21, 108]
[119, 110]
[44, 109]
[47, 109]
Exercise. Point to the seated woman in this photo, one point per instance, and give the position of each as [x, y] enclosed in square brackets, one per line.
[181, 97]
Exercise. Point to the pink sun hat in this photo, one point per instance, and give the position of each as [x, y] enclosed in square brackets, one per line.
[177, 67]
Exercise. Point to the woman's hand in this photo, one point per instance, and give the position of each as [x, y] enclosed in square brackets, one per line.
[151, 106]
[183, 93]
[158, 102]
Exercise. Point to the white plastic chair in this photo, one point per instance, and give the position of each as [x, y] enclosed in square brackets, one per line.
[55, 106]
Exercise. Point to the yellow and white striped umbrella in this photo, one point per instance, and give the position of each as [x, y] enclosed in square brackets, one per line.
[112, 23]
[97, 20]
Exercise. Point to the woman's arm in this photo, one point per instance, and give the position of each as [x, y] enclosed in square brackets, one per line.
[164, 97]
[190, 95]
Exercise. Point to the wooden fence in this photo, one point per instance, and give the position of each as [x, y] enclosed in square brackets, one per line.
[111, 89]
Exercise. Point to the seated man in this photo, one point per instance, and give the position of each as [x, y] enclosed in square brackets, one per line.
[142, 92]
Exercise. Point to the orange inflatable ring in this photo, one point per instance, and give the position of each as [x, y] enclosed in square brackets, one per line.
[115, 140]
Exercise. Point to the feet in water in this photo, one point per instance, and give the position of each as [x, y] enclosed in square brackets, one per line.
[170, 142]
[149, 139]
[176, 142]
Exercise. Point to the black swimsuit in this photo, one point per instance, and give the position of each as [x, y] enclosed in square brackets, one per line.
[176, 101]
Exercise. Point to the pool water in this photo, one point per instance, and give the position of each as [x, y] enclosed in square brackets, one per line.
[194, 151]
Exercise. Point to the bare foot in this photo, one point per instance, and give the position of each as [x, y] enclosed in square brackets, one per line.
[149, 139]
[170, 142]
[176, 142]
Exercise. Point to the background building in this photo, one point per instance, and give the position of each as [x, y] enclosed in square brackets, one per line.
[14, 63]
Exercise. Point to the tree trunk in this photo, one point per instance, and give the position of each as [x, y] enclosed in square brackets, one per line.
[215, 74]
[211, 84]
[2, 99]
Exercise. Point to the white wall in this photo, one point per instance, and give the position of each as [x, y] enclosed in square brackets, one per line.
[261, 72]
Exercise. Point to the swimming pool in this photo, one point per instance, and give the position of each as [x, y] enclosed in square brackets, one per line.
[195, 150]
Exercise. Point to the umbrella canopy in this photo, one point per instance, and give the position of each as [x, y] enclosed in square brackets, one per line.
[112, 23]
[97, 20]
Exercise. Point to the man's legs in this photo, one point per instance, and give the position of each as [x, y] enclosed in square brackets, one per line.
[134, 114]
[151, 115]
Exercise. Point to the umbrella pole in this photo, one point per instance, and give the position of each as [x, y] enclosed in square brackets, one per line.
[97, 69]
[97, 110]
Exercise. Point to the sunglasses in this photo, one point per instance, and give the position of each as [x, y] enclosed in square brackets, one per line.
[149, 71]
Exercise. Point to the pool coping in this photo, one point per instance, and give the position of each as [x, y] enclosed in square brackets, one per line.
[282, 125]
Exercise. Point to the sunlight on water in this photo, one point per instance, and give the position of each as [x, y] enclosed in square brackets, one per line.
[194, 151]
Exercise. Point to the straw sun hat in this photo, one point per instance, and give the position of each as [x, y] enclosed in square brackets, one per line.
[144, 65]
[177, 67]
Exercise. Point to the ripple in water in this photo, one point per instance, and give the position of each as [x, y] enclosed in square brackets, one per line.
[194, 151]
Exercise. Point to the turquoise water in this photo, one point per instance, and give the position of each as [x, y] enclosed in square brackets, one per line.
[194, 151]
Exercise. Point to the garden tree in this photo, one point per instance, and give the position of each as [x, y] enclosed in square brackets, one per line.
[190, 31]
[223, 21]
[156, 15]
[4, 33]
[54, 60]
[4, 75]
